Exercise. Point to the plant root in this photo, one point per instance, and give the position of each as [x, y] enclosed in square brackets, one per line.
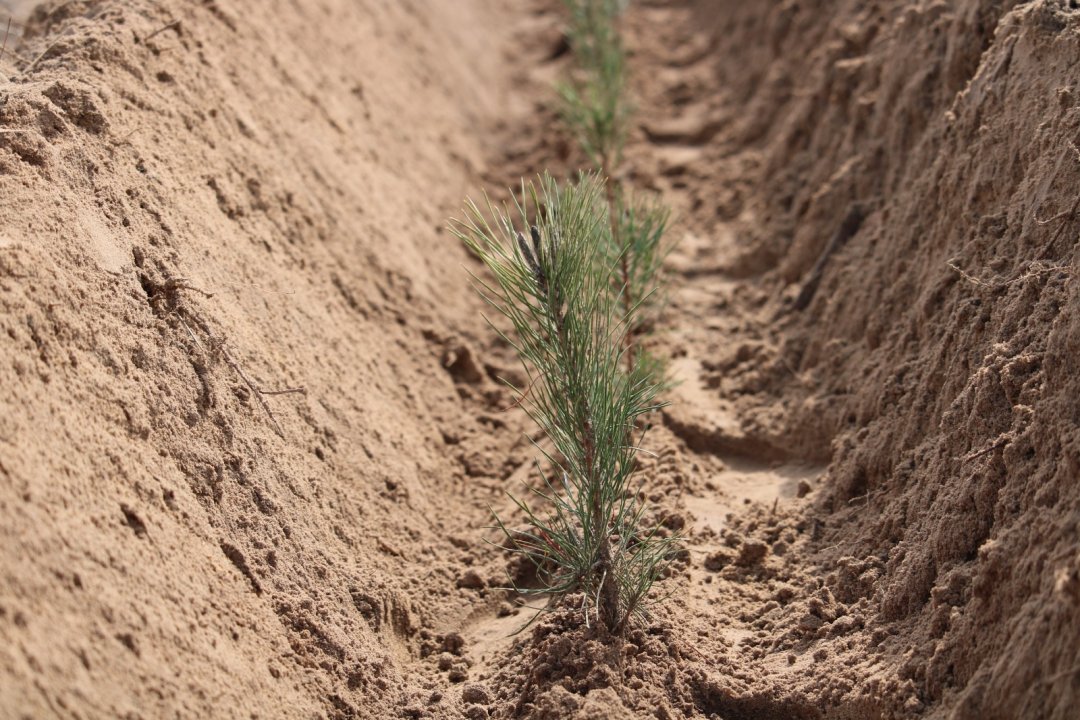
[165, 297]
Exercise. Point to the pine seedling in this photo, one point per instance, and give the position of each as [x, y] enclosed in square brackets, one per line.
[637, 251]
[594, 103]
[597, 111]
[551, 281]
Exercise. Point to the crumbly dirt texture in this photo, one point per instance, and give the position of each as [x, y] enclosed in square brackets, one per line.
[251, 417]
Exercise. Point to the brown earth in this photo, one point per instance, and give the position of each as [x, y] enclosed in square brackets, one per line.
[873, 453]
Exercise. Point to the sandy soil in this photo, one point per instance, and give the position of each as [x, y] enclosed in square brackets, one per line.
[872, 453]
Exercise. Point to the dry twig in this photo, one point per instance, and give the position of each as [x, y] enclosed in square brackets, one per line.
[163, 28]
[1000, 283]
[3, 47]
[168, 293]
[1000, 442]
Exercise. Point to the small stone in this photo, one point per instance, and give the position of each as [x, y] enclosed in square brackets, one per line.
[458, 674]
[476, 712]
[803, 489]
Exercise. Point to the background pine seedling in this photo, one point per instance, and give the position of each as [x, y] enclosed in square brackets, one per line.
[552, 281]
[594, 98]
[596, 109]
[637, 251]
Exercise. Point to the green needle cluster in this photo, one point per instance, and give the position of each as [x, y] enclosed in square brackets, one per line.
[594, 98]
[637, 251]
[596, 109]
[552, 280]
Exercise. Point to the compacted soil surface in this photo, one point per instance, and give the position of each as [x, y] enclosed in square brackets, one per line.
[251, 419]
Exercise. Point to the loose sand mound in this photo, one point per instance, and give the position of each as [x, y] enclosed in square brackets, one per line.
[165, 550]
[872, 455]
[921, 173]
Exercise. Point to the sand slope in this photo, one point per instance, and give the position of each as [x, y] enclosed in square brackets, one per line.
[166, 551]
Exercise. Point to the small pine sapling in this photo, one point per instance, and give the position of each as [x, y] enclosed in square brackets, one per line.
[552, 282]
[596, 108]
[637, 251]
[594, 102]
